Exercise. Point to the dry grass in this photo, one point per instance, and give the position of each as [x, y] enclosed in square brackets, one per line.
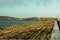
[39, 30]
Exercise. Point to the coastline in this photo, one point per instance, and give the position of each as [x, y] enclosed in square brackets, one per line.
[34, 28]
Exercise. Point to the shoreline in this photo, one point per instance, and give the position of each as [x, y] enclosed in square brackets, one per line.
[43, 27]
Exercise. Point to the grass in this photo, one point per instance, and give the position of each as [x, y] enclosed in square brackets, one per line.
[39, 30]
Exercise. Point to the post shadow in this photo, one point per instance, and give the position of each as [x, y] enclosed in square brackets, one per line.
[58, 22]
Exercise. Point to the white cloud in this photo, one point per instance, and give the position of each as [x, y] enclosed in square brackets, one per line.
[26, 8]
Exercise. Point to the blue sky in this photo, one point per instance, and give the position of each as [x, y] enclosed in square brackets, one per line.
[30, 8]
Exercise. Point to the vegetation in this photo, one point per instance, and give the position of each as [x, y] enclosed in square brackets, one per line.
[34, 31]
[31, 18]
[8, 18]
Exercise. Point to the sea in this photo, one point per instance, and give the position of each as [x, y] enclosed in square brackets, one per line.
[15, 22]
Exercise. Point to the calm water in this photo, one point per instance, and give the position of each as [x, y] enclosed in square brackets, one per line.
[15, 22]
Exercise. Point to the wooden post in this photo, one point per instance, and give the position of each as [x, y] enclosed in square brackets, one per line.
[58, 22]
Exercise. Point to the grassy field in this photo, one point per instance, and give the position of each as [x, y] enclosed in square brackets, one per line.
[34, 31]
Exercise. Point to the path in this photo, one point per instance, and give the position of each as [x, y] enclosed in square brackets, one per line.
[55, 32]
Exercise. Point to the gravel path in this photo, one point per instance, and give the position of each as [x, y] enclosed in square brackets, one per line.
[55, 32]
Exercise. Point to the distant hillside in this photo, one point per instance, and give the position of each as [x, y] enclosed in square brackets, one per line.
[37, 18]
[13, 18]
[30, 18]
[8, 18]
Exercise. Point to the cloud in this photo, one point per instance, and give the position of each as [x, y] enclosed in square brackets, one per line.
[13, 3]
[25, 8]
[26, 3]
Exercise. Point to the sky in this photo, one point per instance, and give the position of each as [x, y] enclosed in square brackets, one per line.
[30, 8]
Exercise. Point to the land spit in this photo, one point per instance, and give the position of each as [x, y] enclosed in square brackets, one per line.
[38, 30]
